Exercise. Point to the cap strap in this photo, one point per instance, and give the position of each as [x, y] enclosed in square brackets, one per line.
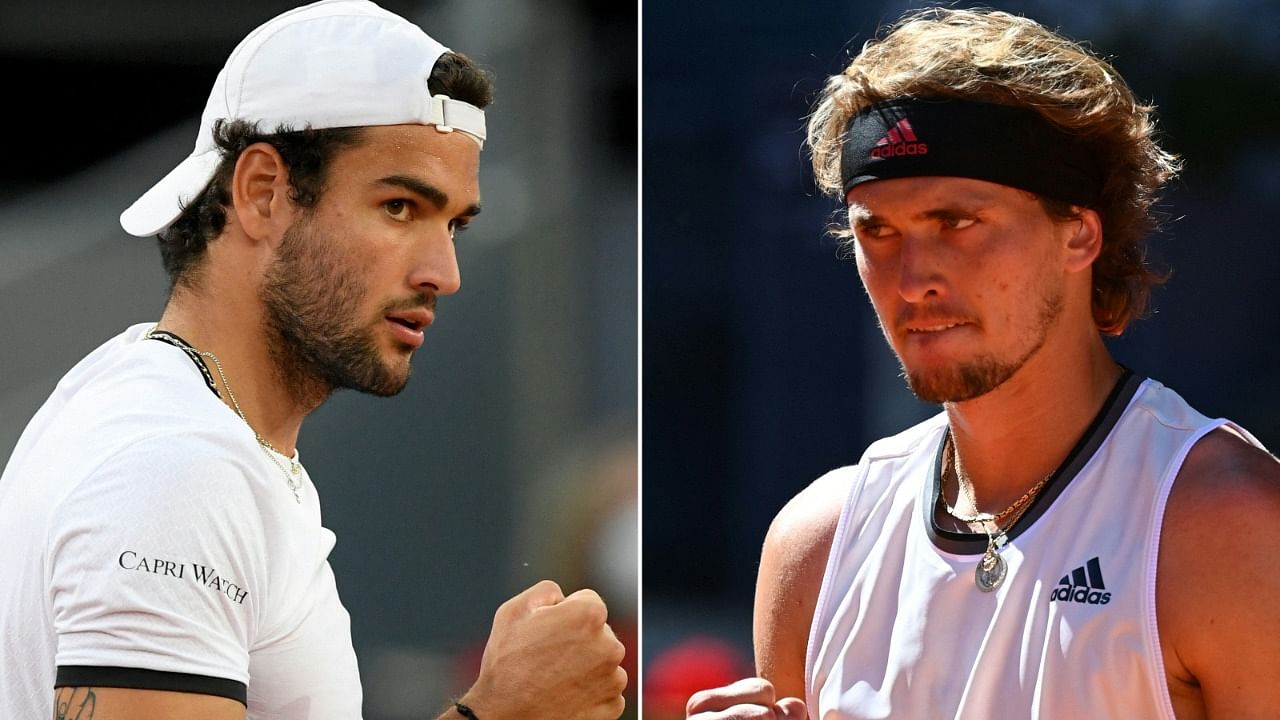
[447, 115]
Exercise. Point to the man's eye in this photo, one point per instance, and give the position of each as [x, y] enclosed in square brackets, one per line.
[958, 223]
[873, 231]
[398, 210]
[457, 226]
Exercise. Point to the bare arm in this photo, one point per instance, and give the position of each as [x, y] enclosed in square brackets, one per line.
[791, 568]
[548, 656]
[792, 564]
[1218, 582]
[98, 703]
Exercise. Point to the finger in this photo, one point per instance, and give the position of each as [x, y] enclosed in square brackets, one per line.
[619, 680]
[542, 594]
[617, 706]
[792, 709]
[587, 604]
[757, 691]
[738, 712]
[586, 595]
[619, 650]
[545, 592]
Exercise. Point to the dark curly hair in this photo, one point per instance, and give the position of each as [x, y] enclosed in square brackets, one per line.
[308, 154]
[996, 57]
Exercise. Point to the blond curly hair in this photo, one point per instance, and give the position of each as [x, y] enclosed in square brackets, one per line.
[996, 57]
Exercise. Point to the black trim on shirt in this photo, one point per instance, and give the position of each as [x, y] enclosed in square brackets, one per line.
[170, 338]
[142, 679]
[962, 543]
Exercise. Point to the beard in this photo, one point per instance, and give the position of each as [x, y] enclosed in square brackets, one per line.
[979, 376]
[311, 296]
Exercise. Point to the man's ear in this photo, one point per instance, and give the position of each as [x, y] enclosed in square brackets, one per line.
[260, 193]
[1084, 239]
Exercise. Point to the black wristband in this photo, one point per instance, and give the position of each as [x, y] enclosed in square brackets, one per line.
[465, 711]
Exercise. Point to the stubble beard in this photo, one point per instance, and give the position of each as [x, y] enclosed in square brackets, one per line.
[311, 299]
[977, 377]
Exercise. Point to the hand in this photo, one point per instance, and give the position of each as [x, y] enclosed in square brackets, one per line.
[549, 656]
[747, 699]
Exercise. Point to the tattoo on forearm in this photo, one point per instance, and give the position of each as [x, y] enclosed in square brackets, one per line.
[74, 703]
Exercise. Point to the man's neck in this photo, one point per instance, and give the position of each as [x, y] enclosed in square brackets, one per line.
[233, 331]
[1016, 435]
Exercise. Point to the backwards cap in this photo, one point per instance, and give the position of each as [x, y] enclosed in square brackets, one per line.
[334, 63]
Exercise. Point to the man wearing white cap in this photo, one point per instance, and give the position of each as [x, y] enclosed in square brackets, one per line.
[165, 555]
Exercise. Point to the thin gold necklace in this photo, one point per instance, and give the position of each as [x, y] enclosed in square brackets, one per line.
[992, 568]
[966, 486]
[292, 474]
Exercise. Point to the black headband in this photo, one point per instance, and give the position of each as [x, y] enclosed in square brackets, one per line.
[909, 137]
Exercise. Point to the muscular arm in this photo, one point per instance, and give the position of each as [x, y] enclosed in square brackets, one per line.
[98, 703]
[791, 568]
[1218, 582]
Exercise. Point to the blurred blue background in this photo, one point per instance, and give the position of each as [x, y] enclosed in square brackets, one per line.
[511, 456]
[763, 367]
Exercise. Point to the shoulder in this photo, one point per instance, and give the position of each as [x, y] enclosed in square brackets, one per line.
[1227, 491]
[1216, 569]
[130, 400]
[799, 540]
[137, 417]
[802, 531]
[158, 482]
[185, 456]
[1226, 498]
[1224, 454]
[792, 565]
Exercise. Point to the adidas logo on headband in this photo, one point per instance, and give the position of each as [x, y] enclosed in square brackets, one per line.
[1004, 144]
[900, 140]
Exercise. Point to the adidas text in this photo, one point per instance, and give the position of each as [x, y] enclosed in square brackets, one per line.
[903, 148]
[1083, 595]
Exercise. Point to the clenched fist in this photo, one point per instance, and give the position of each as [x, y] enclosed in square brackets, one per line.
[748, 699]
[550, 657]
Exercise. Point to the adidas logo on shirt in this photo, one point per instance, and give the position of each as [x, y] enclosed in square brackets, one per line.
[1083, 585]
[900, 140]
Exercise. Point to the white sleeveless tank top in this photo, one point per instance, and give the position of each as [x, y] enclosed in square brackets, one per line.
[902, 631]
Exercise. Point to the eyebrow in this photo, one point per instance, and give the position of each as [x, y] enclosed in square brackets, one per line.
[860, 216]
[429, 192]
[948, 213]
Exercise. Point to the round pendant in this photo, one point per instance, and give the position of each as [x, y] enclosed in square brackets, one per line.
[990, 572]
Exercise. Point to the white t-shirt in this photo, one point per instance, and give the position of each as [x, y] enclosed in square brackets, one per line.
[901, 629]
[148, 541]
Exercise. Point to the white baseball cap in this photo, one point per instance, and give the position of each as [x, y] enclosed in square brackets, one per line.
[334, 63]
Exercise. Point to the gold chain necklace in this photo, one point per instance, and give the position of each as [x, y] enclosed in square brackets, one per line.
[966, 487]
[992, 568]
[293, 474]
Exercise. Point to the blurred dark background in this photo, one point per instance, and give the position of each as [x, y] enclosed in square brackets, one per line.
[512, 454]
[763, 367]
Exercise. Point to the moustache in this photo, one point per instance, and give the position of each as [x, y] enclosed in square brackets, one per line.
[915, 316]
[426, 301]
